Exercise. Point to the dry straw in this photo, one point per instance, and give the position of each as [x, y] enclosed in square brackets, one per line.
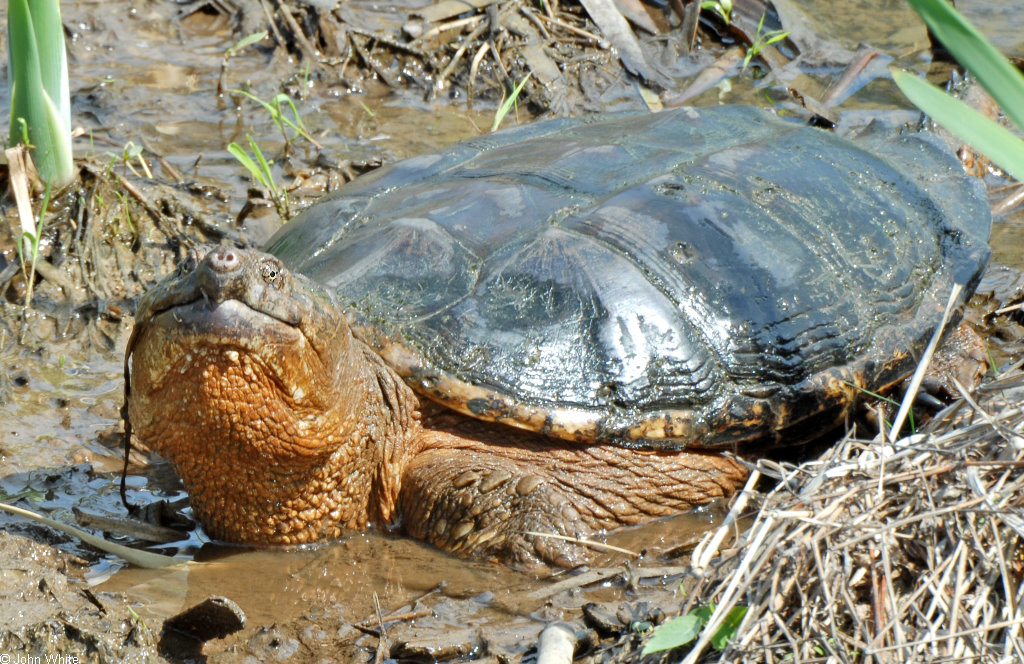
[879, 552]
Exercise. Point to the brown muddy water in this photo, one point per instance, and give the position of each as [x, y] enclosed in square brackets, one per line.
[146, 72]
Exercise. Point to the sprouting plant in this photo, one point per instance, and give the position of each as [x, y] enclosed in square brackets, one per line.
[125, 211]
[260, 170]
[276, 109]
[721, 7]
[23, 131]
[137, 617]
[881, 397]
[761, 40]
[29, 240]
[512, 99]
[132, 151]
[305, 82]
[40, 110]
[248, 40]
[233, 50]
[110, 164]
[683, 629]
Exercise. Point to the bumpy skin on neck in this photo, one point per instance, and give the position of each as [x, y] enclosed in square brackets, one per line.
[283, 428]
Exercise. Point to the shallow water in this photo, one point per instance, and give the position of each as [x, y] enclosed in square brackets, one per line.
[999, 21]
[143, 75]
[340, 578]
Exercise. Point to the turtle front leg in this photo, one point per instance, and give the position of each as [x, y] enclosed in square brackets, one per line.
[478, 498]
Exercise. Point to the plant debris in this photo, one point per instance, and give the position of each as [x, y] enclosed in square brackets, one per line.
[875, 552]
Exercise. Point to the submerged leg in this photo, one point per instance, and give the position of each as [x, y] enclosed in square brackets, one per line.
[480, 498]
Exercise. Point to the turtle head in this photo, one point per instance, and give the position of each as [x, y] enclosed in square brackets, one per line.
[246, 377]
[233, 297]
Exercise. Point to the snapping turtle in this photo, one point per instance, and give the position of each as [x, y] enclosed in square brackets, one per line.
[634, 296]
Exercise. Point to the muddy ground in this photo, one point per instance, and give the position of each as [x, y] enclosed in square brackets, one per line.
[152, 90]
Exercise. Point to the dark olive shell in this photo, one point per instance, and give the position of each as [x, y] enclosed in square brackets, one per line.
[693, 277]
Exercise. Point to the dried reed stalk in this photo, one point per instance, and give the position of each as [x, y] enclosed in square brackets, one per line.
[887, 552]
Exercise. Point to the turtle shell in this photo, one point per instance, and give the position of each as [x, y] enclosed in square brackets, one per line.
[697, 277]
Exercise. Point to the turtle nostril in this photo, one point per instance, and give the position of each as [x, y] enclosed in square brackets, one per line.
[224, 260]
[221, 275]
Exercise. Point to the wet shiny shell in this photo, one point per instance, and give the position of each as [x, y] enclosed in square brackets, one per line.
[688, 278]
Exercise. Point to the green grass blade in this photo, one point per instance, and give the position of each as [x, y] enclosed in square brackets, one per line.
[58, 136]
[277, 115]
[499, 117]
[268, 107]
[25, 78]
[246, 41]
[236, 150]
[297, 124]
[994, 141]
[53, 59]
[24, 73]
[264, 165]
[1002, 80]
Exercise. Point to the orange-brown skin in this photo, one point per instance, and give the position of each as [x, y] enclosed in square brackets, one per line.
[289, 432]
[517, 481]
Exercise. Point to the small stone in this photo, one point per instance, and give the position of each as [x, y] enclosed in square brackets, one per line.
[213, 618]
[423, 646]
[602, 618]
[273, 644]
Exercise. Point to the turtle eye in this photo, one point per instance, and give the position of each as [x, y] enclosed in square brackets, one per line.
[269, 270]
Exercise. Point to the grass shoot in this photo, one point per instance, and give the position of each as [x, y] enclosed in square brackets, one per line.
[721, 7]
[260, 170]
[512, 99]
[762, 40]
[40, 113]
[275, 107]
[20, 172]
